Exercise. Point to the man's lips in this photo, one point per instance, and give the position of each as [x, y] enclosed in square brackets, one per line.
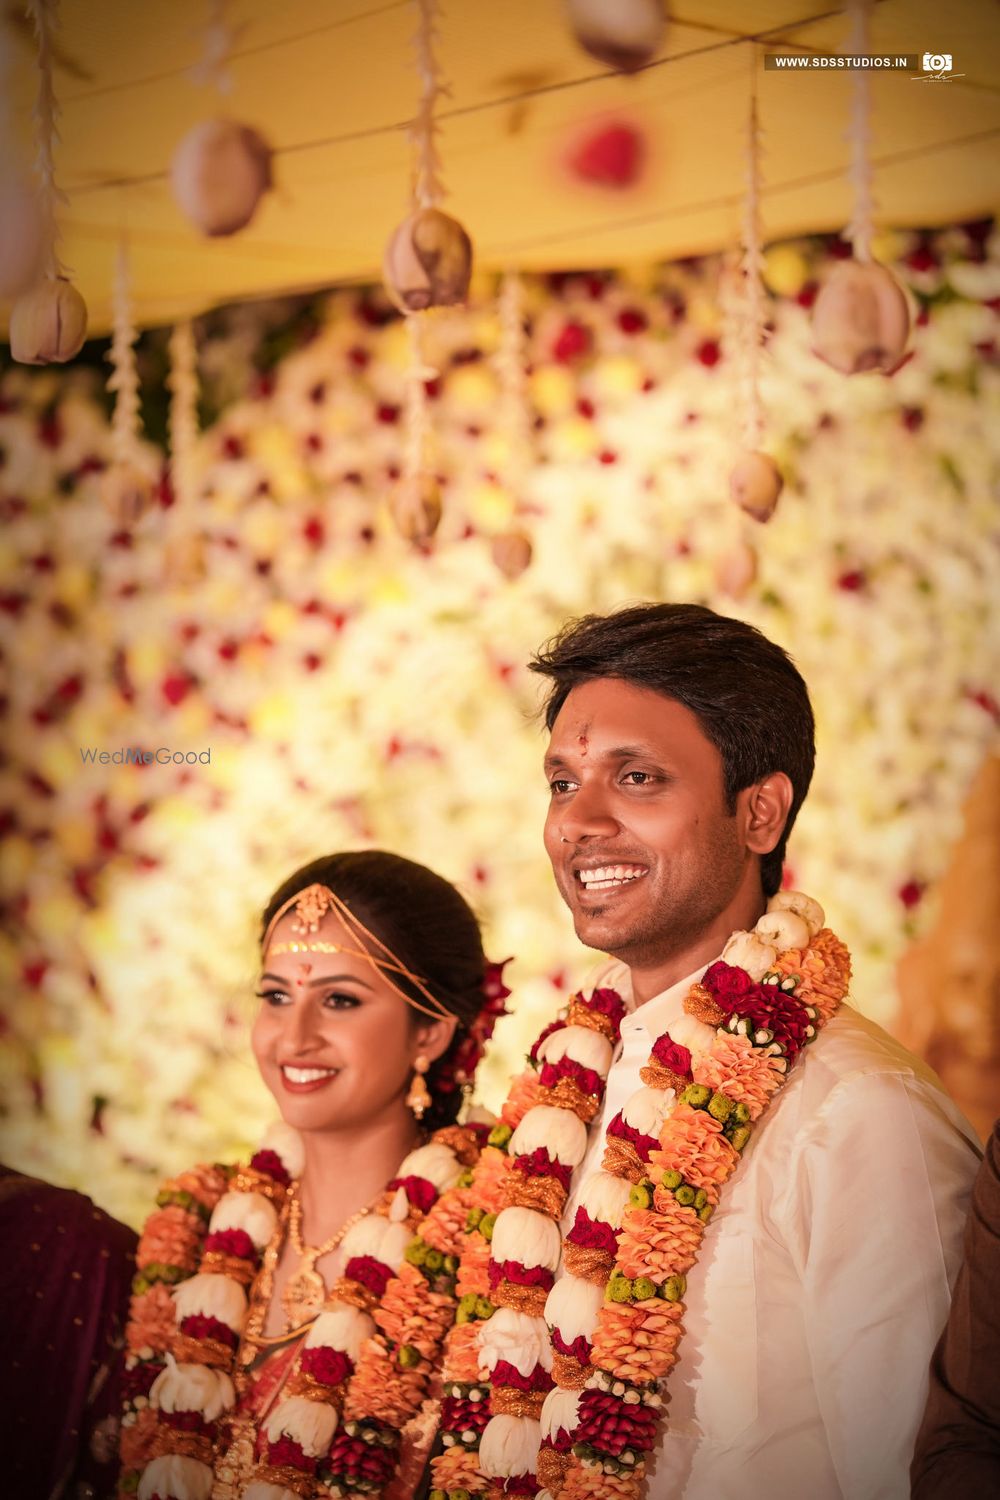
[612, 875]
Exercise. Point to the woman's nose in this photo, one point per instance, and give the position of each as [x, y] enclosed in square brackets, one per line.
[302, 1024]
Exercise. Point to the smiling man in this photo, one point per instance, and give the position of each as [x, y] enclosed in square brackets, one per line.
[681, 749]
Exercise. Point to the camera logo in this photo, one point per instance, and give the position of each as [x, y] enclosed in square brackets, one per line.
[938, 65]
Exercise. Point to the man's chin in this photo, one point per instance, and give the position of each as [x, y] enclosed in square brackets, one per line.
[603, 930]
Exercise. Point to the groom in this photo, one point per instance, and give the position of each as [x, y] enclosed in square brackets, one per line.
[681, 749]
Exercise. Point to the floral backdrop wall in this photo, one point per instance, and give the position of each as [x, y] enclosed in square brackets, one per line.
[316, 682]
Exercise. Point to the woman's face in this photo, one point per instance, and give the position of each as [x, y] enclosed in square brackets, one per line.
[334, 1042]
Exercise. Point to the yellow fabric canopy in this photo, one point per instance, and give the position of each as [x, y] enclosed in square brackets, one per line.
[331, 84]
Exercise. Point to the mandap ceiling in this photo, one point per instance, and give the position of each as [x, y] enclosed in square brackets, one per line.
[330, 83]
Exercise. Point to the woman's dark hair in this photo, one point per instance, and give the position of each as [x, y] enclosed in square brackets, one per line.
[745, 691]
[426, 924]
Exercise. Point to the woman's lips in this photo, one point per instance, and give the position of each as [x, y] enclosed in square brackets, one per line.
[302, 1080]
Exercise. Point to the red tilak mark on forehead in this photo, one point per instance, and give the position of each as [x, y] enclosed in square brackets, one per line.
[305, 969]
[583, 742]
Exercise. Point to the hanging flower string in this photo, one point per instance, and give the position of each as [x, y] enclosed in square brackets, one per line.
[755, 482]
[123, 381]
[752, 266]
[428, 186]
[183, 421]
[44, 19]
[48, 322]
[512, 550]
[213, 69]
[860, 136]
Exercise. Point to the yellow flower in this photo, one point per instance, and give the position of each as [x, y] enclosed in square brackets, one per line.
[785, 270]
[553, 390]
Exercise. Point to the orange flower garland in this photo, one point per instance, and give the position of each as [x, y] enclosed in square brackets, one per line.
[576, 1412]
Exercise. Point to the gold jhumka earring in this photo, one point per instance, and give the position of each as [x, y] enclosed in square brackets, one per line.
[419, 1099]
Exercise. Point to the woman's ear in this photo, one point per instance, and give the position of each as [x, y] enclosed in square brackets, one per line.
[433, 1038]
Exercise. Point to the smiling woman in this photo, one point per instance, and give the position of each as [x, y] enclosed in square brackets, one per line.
[309, 1303]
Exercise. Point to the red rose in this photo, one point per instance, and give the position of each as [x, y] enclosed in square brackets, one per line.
[578, 1348]
[421, 1193]
[506, 1374]
[539, 1163]
[372, 1273]
[644, 1144]
[199, 1327]
[287, 1451]
[232, 1242]
[270, 1163]
[518, 1275]
[585, 1079]
[328, 1366]
[592, 1234]
[724, 980]
[670, 1054]
[572, 342]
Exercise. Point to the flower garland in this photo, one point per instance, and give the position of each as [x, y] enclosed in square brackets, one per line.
[364, 1368]
[554, 1388]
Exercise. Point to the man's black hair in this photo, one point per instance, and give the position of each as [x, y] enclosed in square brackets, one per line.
[744, 690]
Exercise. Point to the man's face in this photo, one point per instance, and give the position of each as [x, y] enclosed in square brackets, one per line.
[644, 852]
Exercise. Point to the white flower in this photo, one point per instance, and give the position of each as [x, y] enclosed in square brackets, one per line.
[251, 1212]
[509, 1446]
[378, 1237]
[646, 1110]
[574, 1306]
[210, 1296]
[605, 1198]
[526, 1236]
[311, 1424]
[516, 1338]
[261, 1490]
[437, 1163]
[783, 930]
[286, 1143]
[803, 906]
[582, 1045]
[341, 1327]
[192, 1388]
[561, 1410]
[180, 1478]
[746, 950]
[562, 1134]
[687, 1031]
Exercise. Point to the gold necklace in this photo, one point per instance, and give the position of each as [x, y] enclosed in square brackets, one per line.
[305, 1290]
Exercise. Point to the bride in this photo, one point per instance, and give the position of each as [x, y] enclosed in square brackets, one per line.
[288, 1314]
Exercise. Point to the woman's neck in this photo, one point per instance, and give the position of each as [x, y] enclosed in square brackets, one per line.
[345, 1169]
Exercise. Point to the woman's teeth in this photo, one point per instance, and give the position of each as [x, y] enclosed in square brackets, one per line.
[607, 876]
[307, 1075]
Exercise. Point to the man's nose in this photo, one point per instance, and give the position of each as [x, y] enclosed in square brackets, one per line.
[588, 816]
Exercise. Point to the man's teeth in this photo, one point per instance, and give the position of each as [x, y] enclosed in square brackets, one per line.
[306, 1075]
[607, 876]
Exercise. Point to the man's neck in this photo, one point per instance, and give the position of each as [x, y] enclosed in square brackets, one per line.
[661, 971]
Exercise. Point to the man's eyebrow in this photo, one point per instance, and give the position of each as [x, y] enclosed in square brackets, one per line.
[554, 762]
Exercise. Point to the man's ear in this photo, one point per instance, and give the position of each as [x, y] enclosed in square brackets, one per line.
[766, 807]
[433, 1038]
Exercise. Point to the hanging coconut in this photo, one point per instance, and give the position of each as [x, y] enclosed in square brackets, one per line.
[755, 483]
[219, 173]
[416, 508]
[861, 319]
[48, 323]
[625, 34]
[21, 235]
[512, 553]
[428, 262]
[736, 570]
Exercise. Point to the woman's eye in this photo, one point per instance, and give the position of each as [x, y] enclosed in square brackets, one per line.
[272, 997]
[340, 1001]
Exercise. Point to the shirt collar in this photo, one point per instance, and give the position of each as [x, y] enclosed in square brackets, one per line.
[652, 1018]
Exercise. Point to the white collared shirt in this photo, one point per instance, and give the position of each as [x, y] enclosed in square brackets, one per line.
[824, 1276]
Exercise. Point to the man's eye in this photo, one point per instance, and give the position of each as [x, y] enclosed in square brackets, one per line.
[560, 785]
[643, 778]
